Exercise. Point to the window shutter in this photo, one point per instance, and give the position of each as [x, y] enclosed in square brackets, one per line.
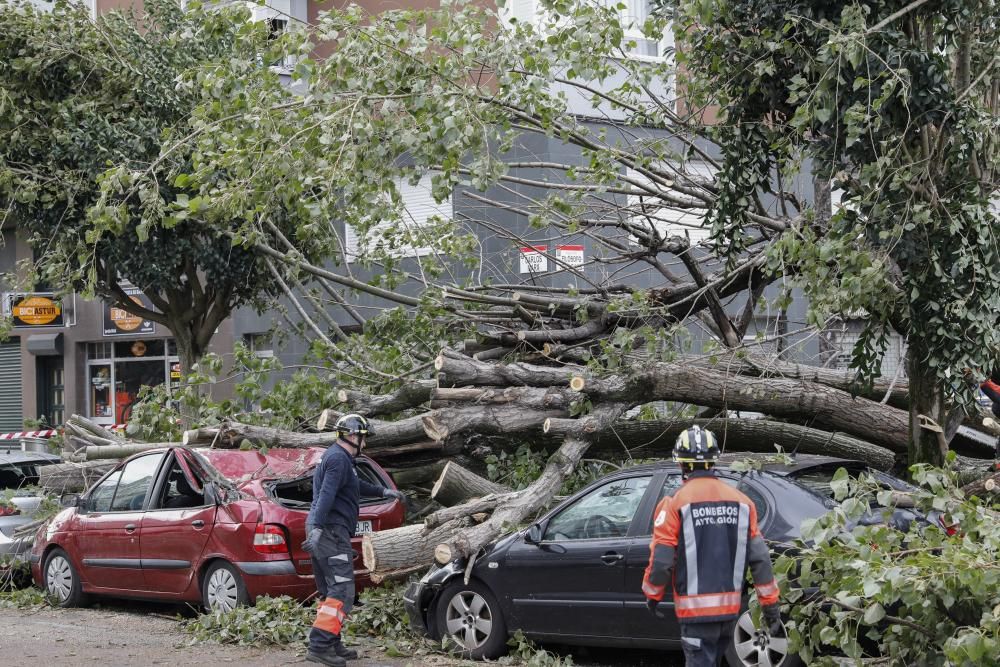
[419, 208]
[11, 417]
[673, 221]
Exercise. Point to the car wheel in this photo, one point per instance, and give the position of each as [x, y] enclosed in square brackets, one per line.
[752, 647]
[470, 615]
[62, 582]
[223, 588]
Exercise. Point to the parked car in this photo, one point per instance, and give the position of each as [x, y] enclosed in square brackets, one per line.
[575, 576]
[218, 526]
[19, 472]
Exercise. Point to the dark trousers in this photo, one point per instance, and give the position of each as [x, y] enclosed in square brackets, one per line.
[704, 644]
[333, 568]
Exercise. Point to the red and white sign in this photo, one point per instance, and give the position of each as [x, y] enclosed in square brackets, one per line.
[569, 255]
[532, 259]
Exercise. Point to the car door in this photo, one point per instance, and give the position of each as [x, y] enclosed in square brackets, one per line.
[571, 583]
[108, 530]
[175, 528]
[640, 625]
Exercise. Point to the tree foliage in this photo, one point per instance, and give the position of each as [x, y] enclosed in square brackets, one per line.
[922, 597]
[897, 104]
[79, 96]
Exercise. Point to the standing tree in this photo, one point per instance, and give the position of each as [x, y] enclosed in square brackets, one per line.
[78, 95]
[897, 104]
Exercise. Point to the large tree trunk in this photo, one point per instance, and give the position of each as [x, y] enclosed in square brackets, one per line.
[646, 439]
[457, 485]
[928, 441]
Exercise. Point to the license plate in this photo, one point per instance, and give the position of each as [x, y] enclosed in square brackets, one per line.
[364, 527]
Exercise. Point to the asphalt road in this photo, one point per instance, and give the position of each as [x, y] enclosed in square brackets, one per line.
[126, 634]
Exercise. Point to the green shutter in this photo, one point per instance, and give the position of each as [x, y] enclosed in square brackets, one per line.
[11, 417]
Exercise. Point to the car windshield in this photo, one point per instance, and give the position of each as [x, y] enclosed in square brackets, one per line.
[819, 480]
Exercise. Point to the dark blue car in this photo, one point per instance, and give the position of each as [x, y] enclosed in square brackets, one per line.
[575, 576]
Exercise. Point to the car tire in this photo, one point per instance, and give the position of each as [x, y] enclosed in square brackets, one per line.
[62, 581]
[746, 649]
[470, 615]
[223, 589]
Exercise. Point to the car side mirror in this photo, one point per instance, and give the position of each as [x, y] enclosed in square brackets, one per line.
[211, 493]
[71, 500]
[534, 534]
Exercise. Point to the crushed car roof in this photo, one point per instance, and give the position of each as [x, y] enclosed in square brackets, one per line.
[238, 464]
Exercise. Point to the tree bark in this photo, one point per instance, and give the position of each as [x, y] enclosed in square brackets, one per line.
[457, 485]
[385, 551]
[486, 504]
[457, 370]
[928, 418]
[535, 398]
[72, 477]
[410, 395]
[646, 439]
[989, 485]
[499, 420]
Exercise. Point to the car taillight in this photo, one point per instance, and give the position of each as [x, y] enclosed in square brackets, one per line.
[269, 539]
[949, 528]
[9, 510]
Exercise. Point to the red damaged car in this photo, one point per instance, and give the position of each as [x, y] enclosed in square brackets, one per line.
[216, 526]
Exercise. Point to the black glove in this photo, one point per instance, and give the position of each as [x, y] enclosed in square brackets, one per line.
[312, 539]
[651, 606]
[393, 493]
[772, 618]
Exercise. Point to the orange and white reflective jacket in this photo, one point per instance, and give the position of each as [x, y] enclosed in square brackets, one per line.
[707, 536]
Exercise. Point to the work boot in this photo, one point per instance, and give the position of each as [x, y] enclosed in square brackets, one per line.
[343, 651]
[327, 657]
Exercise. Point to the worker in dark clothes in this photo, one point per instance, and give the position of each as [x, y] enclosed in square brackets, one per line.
[331, 524]
[704, 539]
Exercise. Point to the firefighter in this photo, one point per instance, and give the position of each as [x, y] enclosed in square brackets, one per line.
[331, 524]
[704, 538]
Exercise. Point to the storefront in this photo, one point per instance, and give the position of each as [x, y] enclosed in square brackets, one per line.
[116, 370]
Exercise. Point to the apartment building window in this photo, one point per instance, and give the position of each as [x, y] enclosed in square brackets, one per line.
[839, 341]
[650, 211]
[402, 237]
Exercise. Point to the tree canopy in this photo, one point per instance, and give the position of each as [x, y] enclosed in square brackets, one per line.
[79, 97]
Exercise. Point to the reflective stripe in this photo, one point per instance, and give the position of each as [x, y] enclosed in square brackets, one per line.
[768, 593]
[330, 616]
[341, 580]
[690, 551]
[689, 602]
[742, 533]
[341, 557]
[651, 590]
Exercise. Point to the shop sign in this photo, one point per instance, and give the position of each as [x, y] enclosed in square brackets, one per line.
[120, 322]
[35, 310]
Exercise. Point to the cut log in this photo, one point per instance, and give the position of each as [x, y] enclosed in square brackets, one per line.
[985, 486]
[457, 485]
[79, 423]
[417, 475]
[486, 504]
[72, 477]
[496, 420]
[203, 436]
[536, 398]
[401, 548]
[457, 370]
[410, 395]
